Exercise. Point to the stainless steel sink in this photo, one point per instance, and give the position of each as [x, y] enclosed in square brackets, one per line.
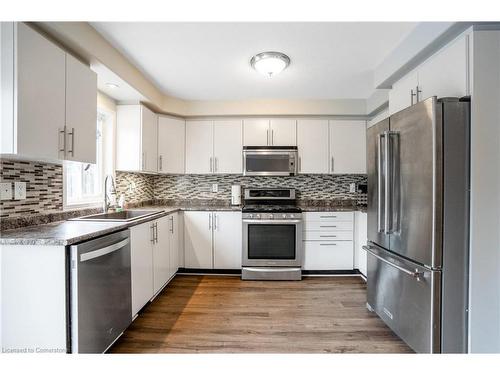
[124, 216]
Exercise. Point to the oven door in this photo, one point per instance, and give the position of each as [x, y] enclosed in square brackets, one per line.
[275, 243]
[269, 163]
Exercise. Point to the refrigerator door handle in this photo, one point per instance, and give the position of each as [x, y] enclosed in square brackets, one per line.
[387, 184]
[395, 187]
[415, 274]
[380, 182]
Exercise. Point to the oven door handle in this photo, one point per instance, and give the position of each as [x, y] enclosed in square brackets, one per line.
[271, 221]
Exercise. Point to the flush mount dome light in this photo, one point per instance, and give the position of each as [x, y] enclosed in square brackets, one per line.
[112, 85]
[270, 63]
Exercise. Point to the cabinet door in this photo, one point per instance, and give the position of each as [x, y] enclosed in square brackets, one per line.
[174, 242]
[199, 147]
[283, 132]
[227, 240]
[171, 145]
[149, 140]
[40, 94]
[312, 142]
[141, 251]
[198, 239]
[360, 238]
[331, 255]
[400, 96]
[347, 146]
[227, 146]
[256, 132]
[161, 253]
[445, 73]
[81, 111]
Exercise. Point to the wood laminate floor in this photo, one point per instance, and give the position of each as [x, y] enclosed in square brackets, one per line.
[223, 314]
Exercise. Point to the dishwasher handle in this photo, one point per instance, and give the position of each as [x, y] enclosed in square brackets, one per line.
[105, 250]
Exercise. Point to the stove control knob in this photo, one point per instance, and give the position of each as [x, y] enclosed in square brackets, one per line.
[257, 216]
[271, 216]
[250, 216]
[283, 216]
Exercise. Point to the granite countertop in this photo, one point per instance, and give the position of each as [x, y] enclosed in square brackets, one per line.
[64, 233]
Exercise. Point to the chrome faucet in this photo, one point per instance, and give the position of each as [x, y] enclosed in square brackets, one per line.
[107, 204]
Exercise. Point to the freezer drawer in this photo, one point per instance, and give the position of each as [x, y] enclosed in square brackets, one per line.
[406, 296]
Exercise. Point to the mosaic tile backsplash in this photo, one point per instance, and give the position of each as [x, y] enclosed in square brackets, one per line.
[140, 187]
[44, 187]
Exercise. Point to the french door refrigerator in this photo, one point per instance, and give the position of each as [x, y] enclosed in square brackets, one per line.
[418, 209]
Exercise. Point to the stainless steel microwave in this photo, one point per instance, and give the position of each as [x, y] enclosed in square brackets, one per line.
[270, 160]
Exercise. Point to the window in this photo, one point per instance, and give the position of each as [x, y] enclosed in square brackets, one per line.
[83, 182]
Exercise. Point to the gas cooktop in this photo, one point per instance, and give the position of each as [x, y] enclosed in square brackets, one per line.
[271, 208]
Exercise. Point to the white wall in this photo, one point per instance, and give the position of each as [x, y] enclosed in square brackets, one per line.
[484, 317]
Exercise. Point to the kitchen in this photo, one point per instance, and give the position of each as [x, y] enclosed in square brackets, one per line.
[335, 217]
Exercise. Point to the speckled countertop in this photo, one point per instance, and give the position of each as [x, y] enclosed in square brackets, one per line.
[64, 233]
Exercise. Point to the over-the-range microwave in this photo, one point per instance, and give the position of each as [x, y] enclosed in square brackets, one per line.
[270, 160]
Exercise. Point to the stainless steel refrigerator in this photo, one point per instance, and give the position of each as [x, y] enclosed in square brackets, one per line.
[418, 209]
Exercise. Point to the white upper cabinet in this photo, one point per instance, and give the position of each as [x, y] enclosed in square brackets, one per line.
[256, 132]
[199, 147]
[227, 232]
[347, 146]
[312, 142]
[81, 111]
[274, 132]
[213, 147]
[136, 139]
[445, 73]
[171, 145]
[228, 146]
[283, 132]
[403, 93]
[45, 91]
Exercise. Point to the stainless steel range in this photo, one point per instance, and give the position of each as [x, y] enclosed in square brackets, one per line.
[272, 235]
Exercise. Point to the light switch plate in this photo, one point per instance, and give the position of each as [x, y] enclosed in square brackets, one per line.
[5, 191]
[352, 187]
[215, 188]
[19, 190]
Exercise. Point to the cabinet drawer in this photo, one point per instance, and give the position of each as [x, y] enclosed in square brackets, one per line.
[323, 256]
[327, 236]
[328, 226]
[328, 216]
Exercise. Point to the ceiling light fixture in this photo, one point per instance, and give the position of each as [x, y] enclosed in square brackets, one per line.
[112, 85]
[270, 63]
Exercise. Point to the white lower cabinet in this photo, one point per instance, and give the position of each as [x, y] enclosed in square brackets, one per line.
[328, 241]
[212, 240]
[360, 239]
[141, 250]
[153, 260]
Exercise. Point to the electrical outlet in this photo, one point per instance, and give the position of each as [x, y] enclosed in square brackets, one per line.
[352, 187]
[19, 190]
[5, 191]
[215, 188]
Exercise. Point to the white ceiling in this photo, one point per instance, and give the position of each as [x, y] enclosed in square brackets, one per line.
[210, 61]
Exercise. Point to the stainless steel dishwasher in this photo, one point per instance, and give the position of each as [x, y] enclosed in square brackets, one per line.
[101, 306]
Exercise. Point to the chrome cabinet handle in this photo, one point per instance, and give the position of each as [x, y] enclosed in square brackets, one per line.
[328, 226]
[156, 232]
[63, 132]
[412, 94]
[153, 233]
[418, 92]
[210, 221]
[331, 166]
[300, 164]
[161, 163]
[328, 216]
[328, 236]
[416, 274]
[216, 164]
[211, 164]
[328, 244]
[267, 135]
[272, 137]
[381, 138]
[216, 224]
[72, 133]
